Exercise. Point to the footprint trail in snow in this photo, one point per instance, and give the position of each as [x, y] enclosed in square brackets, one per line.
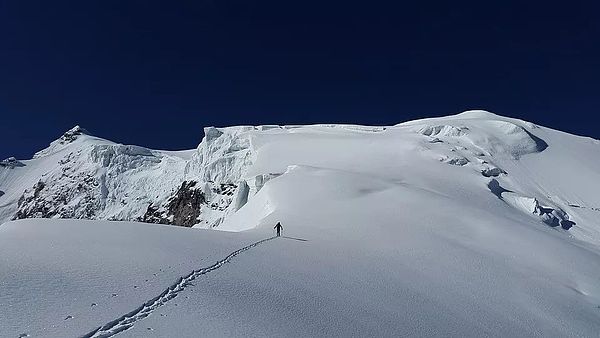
[127, 321]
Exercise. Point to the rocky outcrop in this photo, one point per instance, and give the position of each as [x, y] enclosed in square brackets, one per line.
[492, 171]
[69, 137]
[11, 162]
[72, 134]
[61, 200]
[183, 209]
[91, 178]
[187, 206]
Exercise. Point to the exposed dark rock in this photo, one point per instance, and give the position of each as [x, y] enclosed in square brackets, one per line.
[225, 189]
[566, 224]
[11, 162]
[182, 209]
[457, 161]
[185, 205]
[71, 135]
[153, 215]
[61, 200]
[36, 209]
[37, 188]
[493, 172]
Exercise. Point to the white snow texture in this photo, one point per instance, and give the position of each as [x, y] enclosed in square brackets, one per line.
[469, 225]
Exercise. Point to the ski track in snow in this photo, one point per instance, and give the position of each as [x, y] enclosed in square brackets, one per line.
[127, 321]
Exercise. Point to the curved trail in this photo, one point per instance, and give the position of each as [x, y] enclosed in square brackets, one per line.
[127, 321]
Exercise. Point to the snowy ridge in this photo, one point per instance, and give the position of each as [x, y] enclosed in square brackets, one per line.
[68, 137]
[491, 137]
[487, 224]
[98, 180]
[81, 176]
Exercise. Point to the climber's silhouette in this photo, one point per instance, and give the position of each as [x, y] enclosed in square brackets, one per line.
[278, 227]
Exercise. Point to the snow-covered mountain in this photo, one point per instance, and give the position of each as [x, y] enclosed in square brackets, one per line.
[467, 225]
[85, 177]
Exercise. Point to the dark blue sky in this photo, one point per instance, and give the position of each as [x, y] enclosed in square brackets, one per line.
[154, 73]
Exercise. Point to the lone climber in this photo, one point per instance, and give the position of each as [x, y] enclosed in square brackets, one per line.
[278, 227]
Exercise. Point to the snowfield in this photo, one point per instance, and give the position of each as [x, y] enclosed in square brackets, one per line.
[467, 225]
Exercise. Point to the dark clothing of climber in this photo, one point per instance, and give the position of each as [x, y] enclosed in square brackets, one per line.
[278, 227]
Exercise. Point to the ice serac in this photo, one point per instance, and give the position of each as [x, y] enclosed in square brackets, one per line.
[487, 224]
[221, 162]
[216, 172]
[82, 176]
[223, 155]
[551, 215]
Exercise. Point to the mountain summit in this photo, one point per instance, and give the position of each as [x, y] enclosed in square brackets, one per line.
[81, 176]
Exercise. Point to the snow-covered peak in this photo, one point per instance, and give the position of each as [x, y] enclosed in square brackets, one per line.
[74, 134]
[77, 130]
[478, 114]
[232, 164]
[482, 131]
[439, 216]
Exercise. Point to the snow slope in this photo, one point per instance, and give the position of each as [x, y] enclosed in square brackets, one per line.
[484, 160]
[53, 270]
[468, 225]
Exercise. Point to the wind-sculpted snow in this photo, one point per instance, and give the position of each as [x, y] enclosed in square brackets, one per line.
[123, 157]
[443, 131]
[508, 138]
[81, 176]
[472, 225]
[494, 138]
[551, 215]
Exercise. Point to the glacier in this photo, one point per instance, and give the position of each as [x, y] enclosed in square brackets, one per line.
[473, 224]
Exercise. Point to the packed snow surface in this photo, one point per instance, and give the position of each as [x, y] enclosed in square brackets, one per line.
[468, 225]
